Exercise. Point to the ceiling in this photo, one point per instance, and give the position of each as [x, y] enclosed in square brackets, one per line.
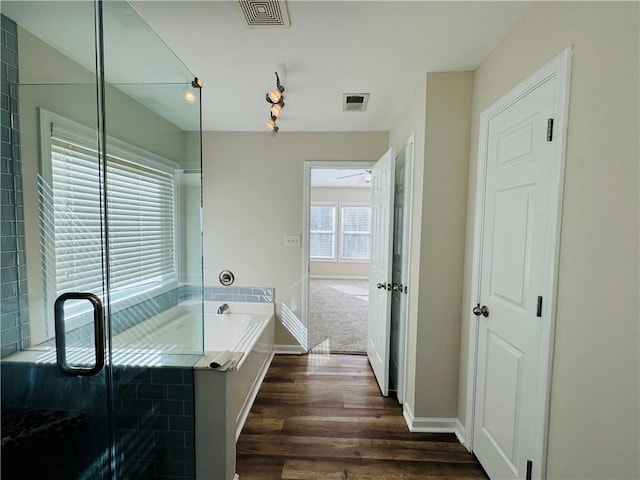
[383, 48]
[332, 47]
[339, 177]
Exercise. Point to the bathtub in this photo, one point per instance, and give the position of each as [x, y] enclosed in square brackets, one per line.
[179, 329]
[223, 399]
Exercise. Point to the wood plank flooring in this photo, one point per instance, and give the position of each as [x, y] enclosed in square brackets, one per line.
[321, 417]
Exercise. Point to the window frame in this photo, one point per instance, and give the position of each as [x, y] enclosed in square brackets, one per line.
[87, 137]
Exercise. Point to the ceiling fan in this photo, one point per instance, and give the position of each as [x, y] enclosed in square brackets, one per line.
[365, 176]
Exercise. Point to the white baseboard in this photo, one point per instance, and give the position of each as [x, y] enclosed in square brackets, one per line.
[460, 434]
[288, 350]
[428, 424]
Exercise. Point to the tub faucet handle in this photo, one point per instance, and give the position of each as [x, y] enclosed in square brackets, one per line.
[222, 308]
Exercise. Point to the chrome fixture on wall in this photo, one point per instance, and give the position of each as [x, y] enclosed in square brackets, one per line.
[226, 278]
[276, 98]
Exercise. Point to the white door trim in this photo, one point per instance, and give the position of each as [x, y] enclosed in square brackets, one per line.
[406, 267]
[306, 205]
[559, 67]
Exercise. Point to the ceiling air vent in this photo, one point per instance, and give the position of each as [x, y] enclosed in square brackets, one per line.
[265, 13]
[354, 102]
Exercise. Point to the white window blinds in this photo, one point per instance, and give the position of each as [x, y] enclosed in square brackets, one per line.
[141, 219]
[77, 228]
[356, 233]
[322, 232]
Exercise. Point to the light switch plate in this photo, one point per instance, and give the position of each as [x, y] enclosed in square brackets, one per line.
[292, 240]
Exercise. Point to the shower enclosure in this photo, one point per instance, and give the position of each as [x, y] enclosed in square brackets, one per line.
[101, 231]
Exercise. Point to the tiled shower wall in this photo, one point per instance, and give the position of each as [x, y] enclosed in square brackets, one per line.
[14, 315]
[153, 418]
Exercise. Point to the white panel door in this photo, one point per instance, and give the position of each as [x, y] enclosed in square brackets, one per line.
[378, 335]
[398, 298]
[514, 262]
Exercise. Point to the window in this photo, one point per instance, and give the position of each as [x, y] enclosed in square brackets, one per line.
[349, 234]
[141, 215]
[355, 233]
[322, 232]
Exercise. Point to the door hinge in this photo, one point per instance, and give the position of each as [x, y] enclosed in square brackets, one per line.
[529, 469]
[539, 309]
[549, 129]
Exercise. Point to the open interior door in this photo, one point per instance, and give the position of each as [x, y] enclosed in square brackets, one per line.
[378, 335]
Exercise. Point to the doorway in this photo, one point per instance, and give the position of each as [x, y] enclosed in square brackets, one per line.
[339, 246]
[361, 287]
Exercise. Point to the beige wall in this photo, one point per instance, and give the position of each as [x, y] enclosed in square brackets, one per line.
[594, 425]
[253, 187]
[448, 113]
[340, 195]
[438, 113]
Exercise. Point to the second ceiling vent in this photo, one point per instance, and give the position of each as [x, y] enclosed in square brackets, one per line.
[265, 13]
[354, 102]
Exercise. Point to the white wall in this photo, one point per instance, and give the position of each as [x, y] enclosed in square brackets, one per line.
[340, 195]
[595, 420]
[253, 187]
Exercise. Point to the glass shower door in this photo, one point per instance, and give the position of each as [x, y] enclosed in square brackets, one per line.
[100, 245]
[56, 390]
[153, 190]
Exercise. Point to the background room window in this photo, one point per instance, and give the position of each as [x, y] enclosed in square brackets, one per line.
[141, 216]
[355, 233]
[322, 238]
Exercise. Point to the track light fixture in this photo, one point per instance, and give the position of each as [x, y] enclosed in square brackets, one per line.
[276, 98]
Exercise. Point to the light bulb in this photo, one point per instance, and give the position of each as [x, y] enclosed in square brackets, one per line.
[276, 110]
[274, 95]
[270, 124]
[189, 96]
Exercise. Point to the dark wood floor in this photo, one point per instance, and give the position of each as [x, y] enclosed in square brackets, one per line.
[321, 417]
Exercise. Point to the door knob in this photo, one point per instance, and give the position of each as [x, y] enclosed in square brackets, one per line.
[478, 310]
[397, 287]
[382, 286]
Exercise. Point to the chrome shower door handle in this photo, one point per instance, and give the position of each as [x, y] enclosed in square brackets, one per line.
[98, 334]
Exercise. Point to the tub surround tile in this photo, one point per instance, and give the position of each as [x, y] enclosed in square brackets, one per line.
[239, 294]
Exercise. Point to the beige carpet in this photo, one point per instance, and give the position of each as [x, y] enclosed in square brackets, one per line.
[338, 312]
